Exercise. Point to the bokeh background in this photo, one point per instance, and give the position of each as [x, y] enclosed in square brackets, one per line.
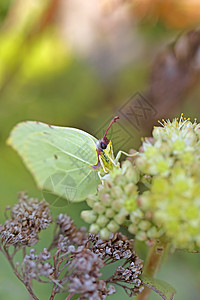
[79, 63]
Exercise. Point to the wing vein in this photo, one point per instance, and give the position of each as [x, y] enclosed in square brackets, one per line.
[84, 178]
[67, 153]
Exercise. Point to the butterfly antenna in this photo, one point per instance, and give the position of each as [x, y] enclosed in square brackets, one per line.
[113, 121]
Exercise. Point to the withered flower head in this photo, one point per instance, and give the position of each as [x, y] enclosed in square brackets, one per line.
[28, 217]
[75, 267]
[68, 229]
[84, 277]
[117, 247]
[34, 266]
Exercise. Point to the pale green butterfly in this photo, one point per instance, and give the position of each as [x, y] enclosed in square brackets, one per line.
[66, 161]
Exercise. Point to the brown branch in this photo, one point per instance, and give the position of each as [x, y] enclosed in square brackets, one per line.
[26, 284]
[152, 265]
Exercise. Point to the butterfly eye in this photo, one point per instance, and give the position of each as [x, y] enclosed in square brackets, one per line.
[103, 145]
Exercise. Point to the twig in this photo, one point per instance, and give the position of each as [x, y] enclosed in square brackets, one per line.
[152, 265]
[7, 255]
[69, 296]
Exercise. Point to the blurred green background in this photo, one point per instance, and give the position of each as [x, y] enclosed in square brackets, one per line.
[77, 64]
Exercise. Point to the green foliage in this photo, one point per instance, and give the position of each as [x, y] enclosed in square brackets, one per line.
[160, 287]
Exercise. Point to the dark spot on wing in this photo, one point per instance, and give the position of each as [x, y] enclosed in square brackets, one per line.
[55, 156]
[50, 126]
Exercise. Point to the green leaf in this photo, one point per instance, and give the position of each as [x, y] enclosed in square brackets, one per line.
[165, 290]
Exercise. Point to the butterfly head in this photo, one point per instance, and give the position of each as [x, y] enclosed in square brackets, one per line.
[105, 151]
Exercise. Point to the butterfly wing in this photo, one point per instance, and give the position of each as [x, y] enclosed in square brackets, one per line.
[60, 158]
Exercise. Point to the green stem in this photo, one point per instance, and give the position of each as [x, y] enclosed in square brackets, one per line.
[152, 265]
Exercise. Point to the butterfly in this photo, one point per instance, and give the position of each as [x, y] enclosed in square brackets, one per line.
[66, 161]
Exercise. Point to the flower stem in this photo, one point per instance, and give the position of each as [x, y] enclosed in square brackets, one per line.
[152, 265]
[69, 296]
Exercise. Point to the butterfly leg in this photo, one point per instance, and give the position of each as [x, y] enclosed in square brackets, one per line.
[102, 164]
[122, 152]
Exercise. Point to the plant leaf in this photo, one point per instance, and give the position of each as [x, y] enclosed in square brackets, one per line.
[165, 290]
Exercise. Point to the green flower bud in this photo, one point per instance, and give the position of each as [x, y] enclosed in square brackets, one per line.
[191, 137]
[102, 221]
[110, 213]
[151, 152]
[162, 166]
[94, 228]
[173, 227]
[113, 226]
[181, 185]
[115, 172]
[158, 132]
[130, 204]
[141, 236]
[98, 207]
[132, 175]
[88, 216]
[130, 189]
[144, 225]
[132, 229]
[136, 214]
[192, 212]
[142, 163]
[120, 181]
[187, 158]
[105, 198]
[105, 233]
[91, 199]
[153, 233]
[126, 165]
[116, 191]
[120, 218]
[117, 204]
[159, 185]
[178, 145]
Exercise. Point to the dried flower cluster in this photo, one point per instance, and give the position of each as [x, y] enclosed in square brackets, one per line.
[74, 259]
[116, 248]
[85, 271]
[28, 218]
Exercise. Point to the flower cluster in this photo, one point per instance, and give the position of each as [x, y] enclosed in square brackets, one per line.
[157, 194]
[116, 248]
[68, 229]
[118, 202]
[36, 265]
[172, 162]
[84, 277]
[28, 217]
[74, 259]
[110, 206]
